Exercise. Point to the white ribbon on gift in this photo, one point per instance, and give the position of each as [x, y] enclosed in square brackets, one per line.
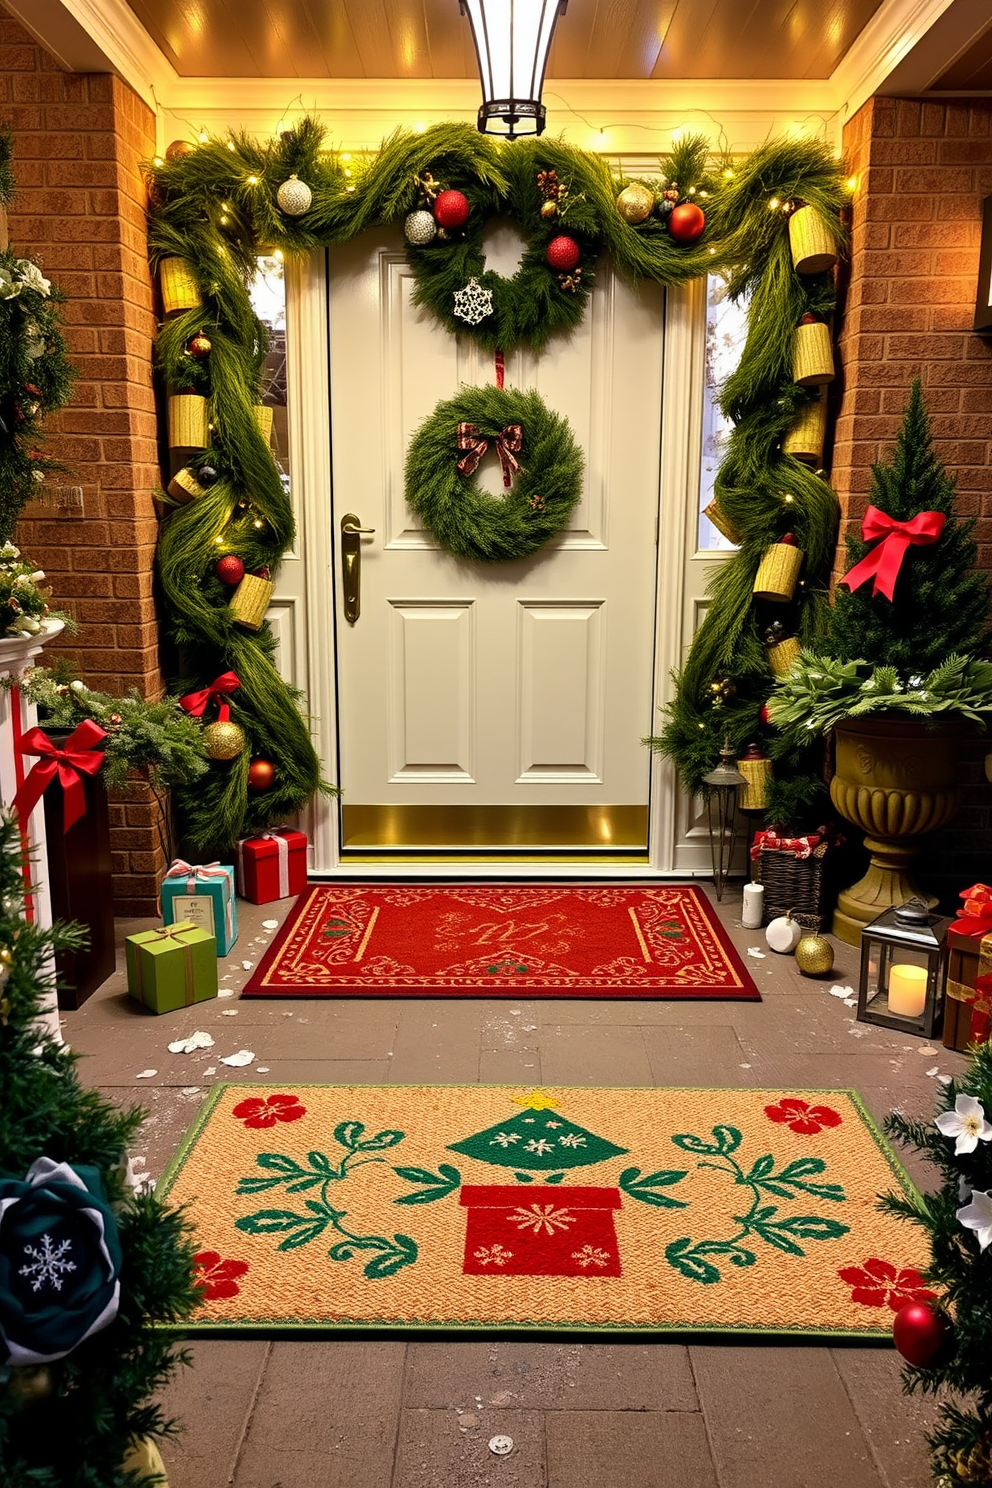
[282, 853]
[200, 873]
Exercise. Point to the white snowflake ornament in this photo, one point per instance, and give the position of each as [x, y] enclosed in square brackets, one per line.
[48, 1264]
[473, 303]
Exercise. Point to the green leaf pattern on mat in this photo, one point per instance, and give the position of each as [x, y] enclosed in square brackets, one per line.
[436, 1185]
[762, 1221]
[390, 1255]
[641, 1186]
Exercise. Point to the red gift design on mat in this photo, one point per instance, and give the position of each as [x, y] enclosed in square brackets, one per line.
[272, 865]
[517, 1230]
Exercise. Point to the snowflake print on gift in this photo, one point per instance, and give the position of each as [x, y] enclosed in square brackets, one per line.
[47, 1264]
[543, 1219]
[493, 1255]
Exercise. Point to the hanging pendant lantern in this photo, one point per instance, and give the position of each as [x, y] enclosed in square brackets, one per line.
[512, 40]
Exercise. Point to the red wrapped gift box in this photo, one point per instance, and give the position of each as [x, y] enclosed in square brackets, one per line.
[272, 865]
[517, 1230]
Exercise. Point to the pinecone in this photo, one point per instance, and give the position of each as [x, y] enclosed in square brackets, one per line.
[974, 1464]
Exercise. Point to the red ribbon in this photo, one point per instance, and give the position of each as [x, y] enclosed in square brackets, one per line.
[196, 703]
[884, 562]
[508, 442]
[78, 754]
[976, 911]
[801, 847]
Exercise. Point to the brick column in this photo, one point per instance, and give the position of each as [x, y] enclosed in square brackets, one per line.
[79, 212]
[923, 169]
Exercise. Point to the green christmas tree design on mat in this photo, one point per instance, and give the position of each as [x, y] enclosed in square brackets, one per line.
[539, 1138]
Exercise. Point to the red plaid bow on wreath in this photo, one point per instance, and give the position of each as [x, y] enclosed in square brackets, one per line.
[508, 444]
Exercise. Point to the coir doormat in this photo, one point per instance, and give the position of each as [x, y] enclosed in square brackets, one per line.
[450, 940]
[331, 1207]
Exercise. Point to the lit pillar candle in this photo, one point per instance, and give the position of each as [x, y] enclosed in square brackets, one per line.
[907, 990]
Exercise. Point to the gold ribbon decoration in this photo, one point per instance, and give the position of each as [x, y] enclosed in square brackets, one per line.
[509, 442]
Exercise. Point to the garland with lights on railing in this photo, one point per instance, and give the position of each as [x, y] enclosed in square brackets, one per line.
[217, 205]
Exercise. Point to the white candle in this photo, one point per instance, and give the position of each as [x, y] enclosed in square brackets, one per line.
[754, 905]
[907, 990]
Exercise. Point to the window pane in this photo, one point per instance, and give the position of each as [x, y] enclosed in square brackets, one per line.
[268, 299]
[726, 330]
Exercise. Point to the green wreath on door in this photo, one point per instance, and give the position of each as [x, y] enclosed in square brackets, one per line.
[542, 473]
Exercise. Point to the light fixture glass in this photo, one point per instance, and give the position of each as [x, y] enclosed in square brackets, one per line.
[512, 41]
[983, 299]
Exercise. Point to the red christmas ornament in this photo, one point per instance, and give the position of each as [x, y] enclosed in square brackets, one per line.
[922, 1335]
[686, 223]
[261, 775]
[810, 319]
[563, 254]
[763, 714]
[451, 208]
[199, 347]
[230, 569]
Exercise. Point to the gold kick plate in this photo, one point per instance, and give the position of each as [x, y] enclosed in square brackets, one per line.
[352, 533]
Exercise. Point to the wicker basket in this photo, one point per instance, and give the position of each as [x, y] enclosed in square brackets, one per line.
[800, 886]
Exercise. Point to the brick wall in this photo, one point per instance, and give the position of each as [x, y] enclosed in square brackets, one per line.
[923, 169]
[79, 212]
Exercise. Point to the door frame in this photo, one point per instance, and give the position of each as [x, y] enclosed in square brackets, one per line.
[678, 846]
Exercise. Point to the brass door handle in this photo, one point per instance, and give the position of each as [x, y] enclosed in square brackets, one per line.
[352, 533]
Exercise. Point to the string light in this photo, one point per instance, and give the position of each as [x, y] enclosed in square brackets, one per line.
[203, 135]
[230, 146]
[252, 180]
[258, 524]
[158, 160]
[851, 183]
[773, 204]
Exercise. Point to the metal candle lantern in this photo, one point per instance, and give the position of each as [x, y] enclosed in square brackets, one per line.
[723, 784]
[903, 969]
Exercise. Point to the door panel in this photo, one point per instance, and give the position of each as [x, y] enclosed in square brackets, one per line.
[522, 686]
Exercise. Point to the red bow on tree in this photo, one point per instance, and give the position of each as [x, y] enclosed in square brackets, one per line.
[196, 703]
[884, 562]
[508, 442]
[78, 754]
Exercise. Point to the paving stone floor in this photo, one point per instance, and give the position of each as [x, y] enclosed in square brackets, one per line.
[396, 1414]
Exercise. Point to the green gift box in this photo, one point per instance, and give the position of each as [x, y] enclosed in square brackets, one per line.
[172, 967]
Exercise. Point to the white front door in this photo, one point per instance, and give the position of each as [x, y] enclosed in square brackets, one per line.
[493, 706]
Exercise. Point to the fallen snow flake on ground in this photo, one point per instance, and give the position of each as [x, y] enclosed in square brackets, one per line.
[743, 1066]
[243, 1056]
[838, 991]
[198, 1040]
[270, 924]
[229, 1012]
[929, 1049]
[190, 1090]
[850, 1002]
[933, 1070]
[858, 1030]
[212, 1070]
[943, 1079]
[145, 1074]
[756, 952]
[263, 1069]
[227, 992]
[247, 965]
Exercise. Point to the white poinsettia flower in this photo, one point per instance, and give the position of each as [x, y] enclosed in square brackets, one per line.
[967, 1123]
[9, 287]
[977, 1216]
[32, 276]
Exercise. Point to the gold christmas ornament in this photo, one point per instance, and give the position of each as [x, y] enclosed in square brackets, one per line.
[184, 487]
[811, 242]
[549, 210]
[143, 1456]
[188, 422]
[250, 601]
[812, 355]
[180, 290]
[814, 955]
[224, 741]
[778, 572]
[30, 1382]
[263, 417]
[635, 203]
[722, 524]
[782, 656]
[757, 771]
[805, 439]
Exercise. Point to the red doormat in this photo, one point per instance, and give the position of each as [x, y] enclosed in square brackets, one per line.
[451, 940]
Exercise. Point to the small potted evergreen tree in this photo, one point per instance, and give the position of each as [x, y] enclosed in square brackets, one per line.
[902, 671]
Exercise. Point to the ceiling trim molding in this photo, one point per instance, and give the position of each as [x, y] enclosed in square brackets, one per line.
[891, 34]
[99, 36]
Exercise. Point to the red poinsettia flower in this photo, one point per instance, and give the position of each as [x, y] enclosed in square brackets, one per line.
[257, 1112]
[216, 1277]
[879, 1284]
[799, 1116]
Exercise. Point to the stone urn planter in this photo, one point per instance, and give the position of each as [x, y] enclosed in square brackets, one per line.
[896, 779]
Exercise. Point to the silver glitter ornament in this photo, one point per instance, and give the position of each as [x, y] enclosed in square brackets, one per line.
[420, 228]
[294, 197]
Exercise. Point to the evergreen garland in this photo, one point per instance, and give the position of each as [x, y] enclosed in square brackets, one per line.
[215, 207]
[69, 1424]
[466, 520]
[35, 374]
[961, 1273]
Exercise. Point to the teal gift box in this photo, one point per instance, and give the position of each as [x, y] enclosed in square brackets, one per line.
[171, 968]
[204, 895]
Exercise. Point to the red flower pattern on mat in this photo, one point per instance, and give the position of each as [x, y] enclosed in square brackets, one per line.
[879, 1284]
[216, 1277]
[256, 1112]
[799, 1116]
